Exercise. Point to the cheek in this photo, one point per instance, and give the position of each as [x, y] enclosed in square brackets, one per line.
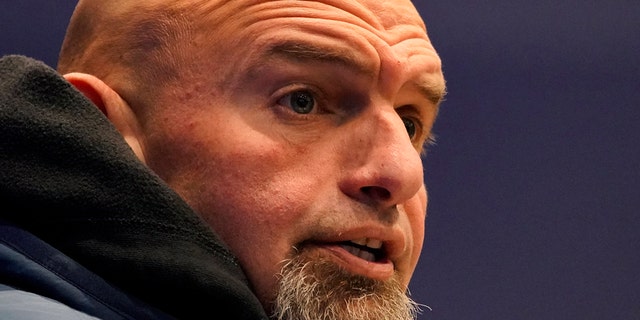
[246, 178]
[257, 204]
[415, 209]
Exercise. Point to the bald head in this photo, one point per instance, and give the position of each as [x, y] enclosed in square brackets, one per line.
[139, 48]
[151, 34]
[106, 37]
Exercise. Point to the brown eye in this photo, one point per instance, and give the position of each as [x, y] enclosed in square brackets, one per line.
[411, 127]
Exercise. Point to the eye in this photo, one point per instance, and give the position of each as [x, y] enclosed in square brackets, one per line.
[411, 126]
[301, 101]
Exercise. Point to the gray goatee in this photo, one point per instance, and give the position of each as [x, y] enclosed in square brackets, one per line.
[312, 288]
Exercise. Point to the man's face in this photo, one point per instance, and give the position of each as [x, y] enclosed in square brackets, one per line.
[297, 132]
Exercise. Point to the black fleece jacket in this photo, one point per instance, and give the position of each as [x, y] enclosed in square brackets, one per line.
[70, 185]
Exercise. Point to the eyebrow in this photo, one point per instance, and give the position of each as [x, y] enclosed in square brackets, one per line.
[305, 52]
[435, 94]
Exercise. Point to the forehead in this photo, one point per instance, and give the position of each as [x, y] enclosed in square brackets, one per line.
[382, 14]
[375, 15]
[361, 24]
[365, 32]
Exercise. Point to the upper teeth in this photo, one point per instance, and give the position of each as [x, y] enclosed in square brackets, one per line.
[371, 243]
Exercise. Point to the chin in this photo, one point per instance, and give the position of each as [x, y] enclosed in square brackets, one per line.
[312, 287]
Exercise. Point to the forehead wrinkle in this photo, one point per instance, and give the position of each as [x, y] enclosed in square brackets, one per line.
[307, 52]
[378, 15]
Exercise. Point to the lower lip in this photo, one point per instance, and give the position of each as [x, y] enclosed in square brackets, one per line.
[379, 270]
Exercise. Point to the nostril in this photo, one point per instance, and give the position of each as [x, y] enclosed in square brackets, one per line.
[376, 193]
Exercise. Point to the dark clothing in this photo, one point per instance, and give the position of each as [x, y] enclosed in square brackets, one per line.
[84, 222]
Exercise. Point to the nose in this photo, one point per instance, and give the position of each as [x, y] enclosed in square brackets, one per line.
[382, 166]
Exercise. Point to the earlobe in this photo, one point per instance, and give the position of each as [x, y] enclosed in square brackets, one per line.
[111, 104]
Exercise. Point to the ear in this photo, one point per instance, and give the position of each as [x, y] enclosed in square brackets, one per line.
[112, 105]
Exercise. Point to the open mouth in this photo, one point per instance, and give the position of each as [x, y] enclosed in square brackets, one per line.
[367, 249]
